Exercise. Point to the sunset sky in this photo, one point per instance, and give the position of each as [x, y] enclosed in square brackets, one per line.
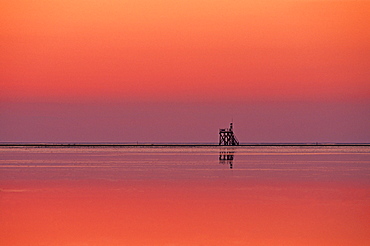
[176, 71]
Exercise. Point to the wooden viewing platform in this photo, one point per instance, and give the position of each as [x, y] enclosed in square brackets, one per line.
[227, 136]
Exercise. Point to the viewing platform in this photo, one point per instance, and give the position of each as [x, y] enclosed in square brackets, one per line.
[227, 136]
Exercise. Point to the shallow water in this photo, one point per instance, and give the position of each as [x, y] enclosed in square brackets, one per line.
[185, 195]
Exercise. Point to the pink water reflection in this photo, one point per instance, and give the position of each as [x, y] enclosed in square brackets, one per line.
[202, 203]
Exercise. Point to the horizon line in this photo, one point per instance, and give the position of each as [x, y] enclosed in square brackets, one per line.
[153, 144]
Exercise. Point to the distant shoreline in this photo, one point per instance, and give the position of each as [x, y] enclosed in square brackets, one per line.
[71, 145]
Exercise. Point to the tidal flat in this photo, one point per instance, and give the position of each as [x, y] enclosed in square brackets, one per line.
[185, 195]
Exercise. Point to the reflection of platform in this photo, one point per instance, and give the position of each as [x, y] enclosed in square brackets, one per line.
[226, 157]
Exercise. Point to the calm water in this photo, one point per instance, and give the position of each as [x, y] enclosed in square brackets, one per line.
[185, 196]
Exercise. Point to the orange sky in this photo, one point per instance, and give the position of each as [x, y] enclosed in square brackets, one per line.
[193, 50]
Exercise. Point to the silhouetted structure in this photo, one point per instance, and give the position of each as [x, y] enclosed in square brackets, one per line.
[227, 136]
